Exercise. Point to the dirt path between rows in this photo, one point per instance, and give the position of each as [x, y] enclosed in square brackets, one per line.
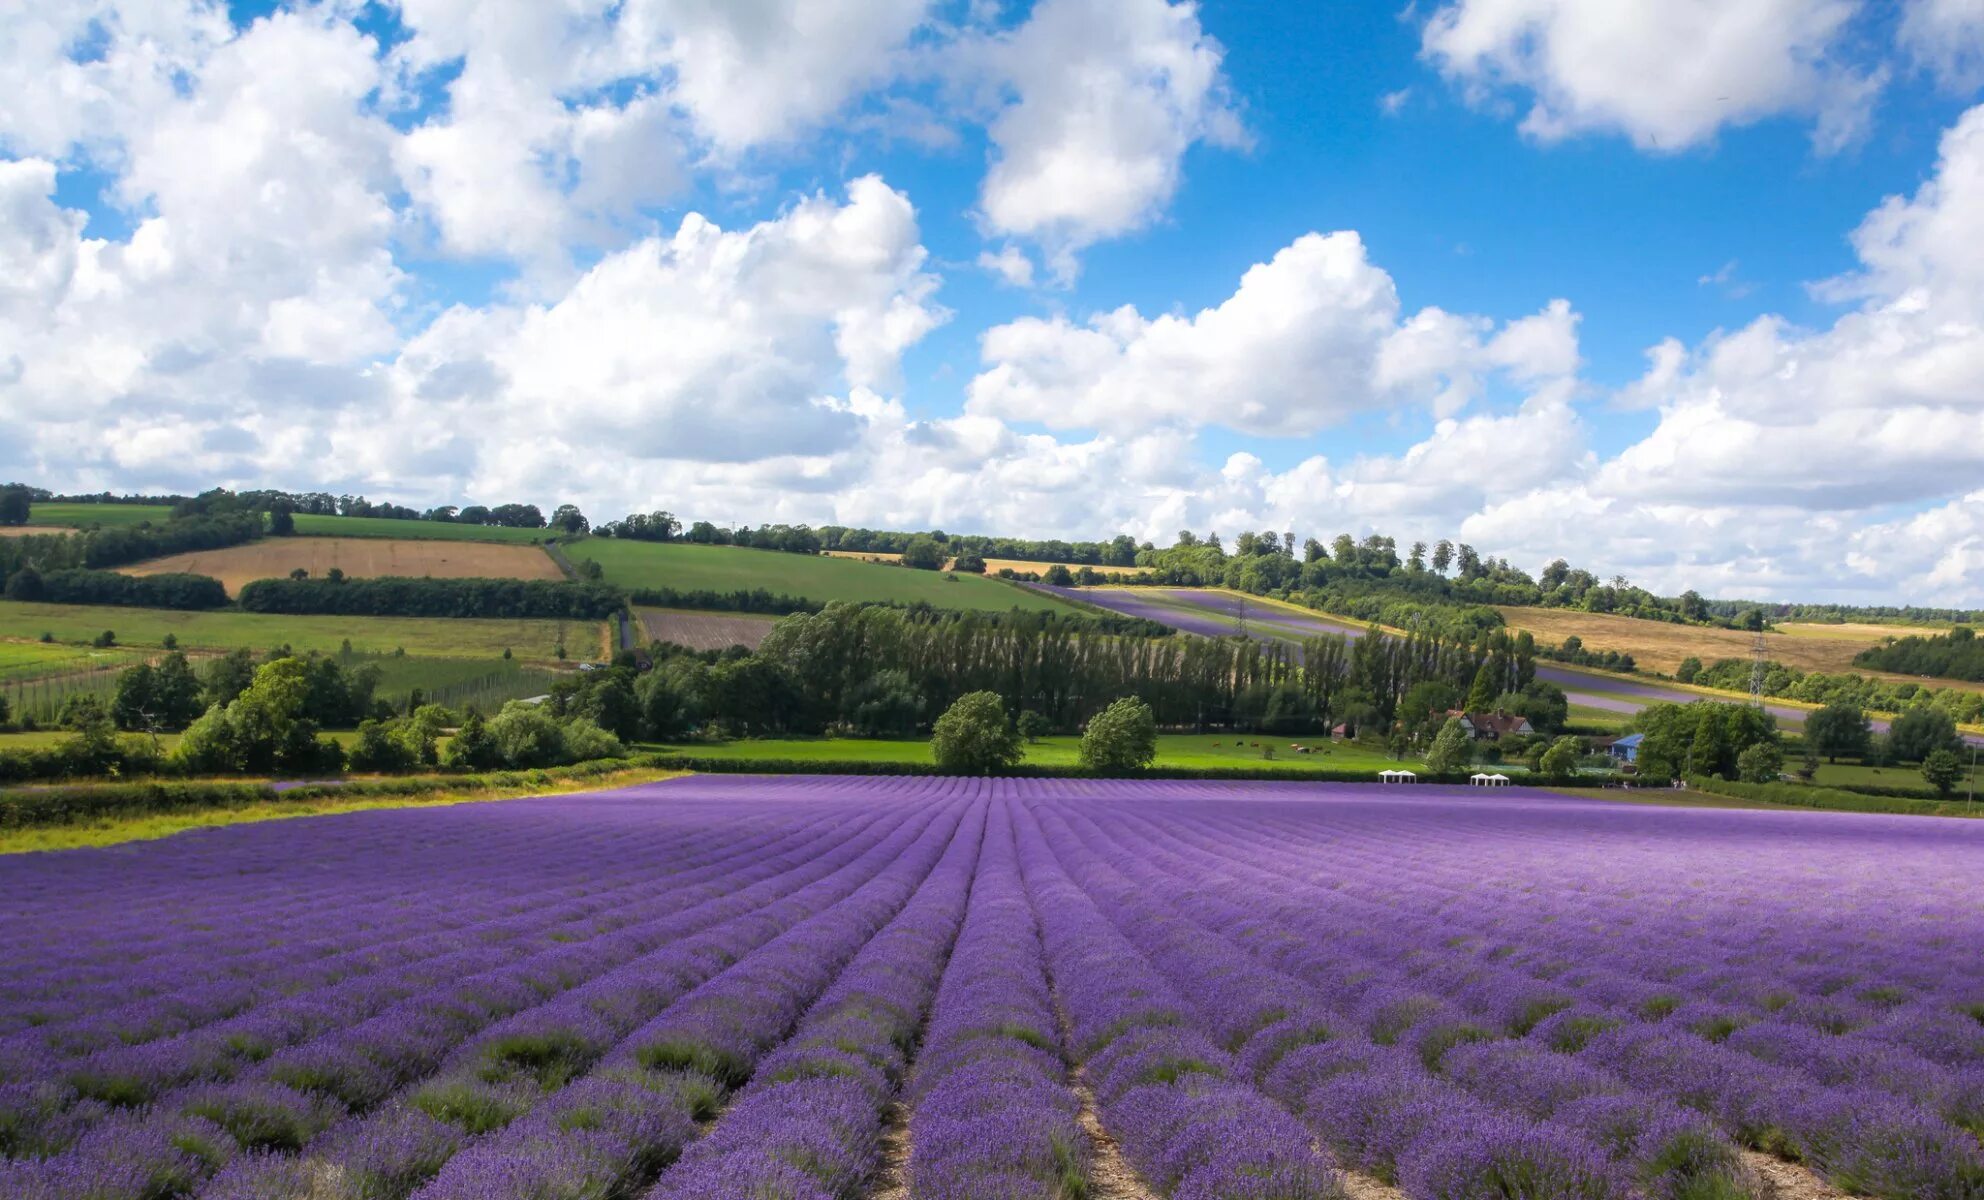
[1111, 1175]
[892, 1180]
[1789, 1181]
[1364, 1187]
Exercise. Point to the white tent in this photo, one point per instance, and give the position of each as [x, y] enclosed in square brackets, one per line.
[1484, 779]
[1396, 777]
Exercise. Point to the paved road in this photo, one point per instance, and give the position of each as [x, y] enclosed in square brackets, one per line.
[1214, 614]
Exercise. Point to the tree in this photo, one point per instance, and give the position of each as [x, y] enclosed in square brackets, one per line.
[24, 584]
[886, 704]
[969, 564]
[1920, 732]
[1839, 728]
[154, 699]
[281, 521]
[1122, 737]
[379, 750]
[1944, 770]
[15, 501]
[1032, 726]
[1450, 747]
[1545, 705]
[264, 729]
[1561, 758]
[973, 738]
[1425, 705]
[1059, 576]
[472, 747]
[1762, 762]
[1443, 556]
[1481, 697]
[924, 553]
[567, 519]
[1706, 737]
[1690, 667]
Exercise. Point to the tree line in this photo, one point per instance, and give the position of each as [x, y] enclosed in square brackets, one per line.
[1958, 654]
[881, 671]
[397, 596]
[46, 555]
[1818, 687]
[175, 590]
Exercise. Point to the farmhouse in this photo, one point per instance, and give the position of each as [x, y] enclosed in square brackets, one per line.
[1493, 727]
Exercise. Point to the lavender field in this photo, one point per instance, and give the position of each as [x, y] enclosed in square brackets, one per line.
[797, 989]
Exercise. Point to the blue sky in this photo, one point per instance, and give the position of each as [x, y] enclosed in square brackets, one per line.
[746, 262]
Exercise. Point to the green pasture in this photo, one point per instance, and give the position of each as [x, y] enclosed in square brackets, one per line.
[97, 514]
[34, 660]
[225, 629]
[1179, 750]
[433, 531]
[688, 567]
[1589, 717]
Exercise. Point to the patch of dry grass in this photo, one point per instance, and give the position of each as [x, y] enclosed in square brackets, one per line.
[359, 558]
[704, 631]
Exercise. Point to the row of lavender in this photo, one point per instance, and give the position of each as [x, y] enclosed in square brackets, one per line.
[1452, 991]
[741, 987]
[379, 1077]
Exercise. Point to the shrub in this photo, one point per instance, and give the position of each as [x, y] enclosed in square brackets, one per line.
[1122, 737]
[974, 738]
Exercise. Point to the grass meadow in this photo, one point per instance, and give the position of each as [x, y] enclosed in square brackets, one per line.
[225, 630]
[77, 515]
[437, 531]
[688, 567]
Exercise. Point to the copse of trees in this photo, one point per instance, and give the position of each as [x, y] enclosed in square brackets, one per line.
[407, 597]
[1958, 654]
[1706, 737]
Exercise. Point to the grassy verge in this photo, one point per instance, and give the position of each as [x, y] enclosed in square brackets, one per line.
[1720, 793]
[241, 803]
[1175, 751]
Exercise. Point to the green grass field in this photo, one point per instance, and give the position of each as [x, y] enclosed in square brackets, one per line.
[224, 630]
[97, 514]
[687, 567]
[1183, 750]
[431, 531]
[1907, 776]
[1585, 717]
[34, 660]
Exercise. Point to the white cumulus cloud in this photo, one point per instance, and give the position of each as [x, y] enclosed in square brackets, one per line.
[1666, 73]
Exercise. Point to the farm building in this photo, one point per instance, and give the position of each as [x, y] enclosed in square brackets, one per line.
[1493, 727]
[1623, 749]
